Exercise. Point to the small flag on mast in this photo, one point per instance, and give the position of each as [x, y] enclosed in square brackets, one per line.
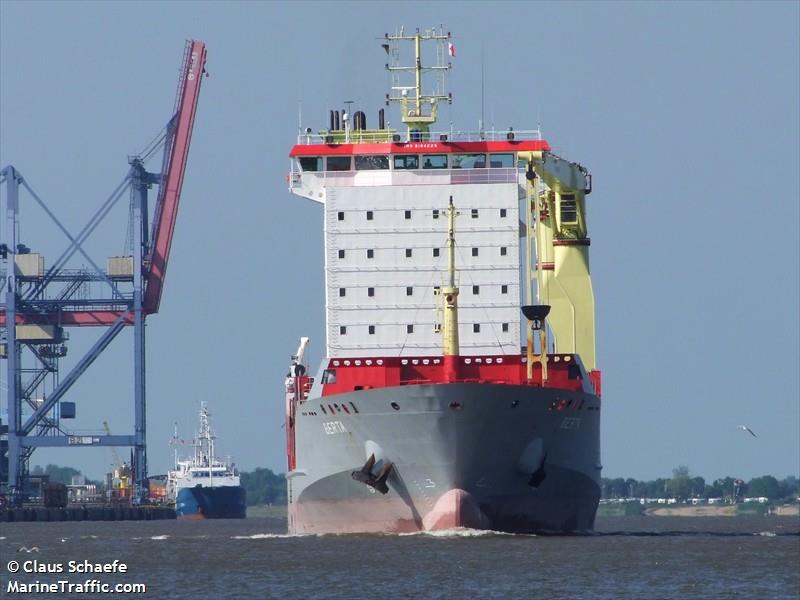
[451, 49]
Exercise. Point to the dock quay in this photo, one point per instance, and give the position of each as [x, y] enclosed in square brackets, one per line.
[87, 513]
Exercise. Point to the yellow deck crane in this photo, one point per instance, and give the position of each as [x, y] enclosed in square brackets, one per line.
[556, 220]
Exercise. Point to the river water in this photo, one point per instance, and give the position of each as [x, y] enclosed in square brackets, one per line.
[626, 557]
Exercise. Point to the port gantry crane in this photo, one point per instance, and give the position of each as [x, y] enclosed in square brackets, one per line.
[42, 303]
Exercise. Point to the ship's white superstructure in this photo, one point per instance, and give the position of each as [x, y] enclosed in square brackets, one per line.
[202, 468]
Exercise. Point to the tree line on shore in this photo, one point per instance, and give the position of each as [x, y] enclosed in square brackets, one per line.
[683, 486]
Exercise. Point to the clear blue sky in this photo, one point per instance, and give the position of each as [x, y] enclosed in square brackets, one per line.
[686, 114]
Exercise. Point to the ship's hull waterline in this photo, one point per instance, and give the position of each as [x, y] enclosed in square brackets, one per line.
[487, 456]
[196, 503]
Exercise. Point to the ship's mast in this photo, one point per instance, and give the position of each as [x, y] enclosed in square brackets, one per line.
[418, 111]
[449, 293]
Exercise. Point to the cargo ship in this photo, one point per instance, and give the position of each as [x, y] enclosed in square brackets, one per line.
[203, 486]
[459, 385]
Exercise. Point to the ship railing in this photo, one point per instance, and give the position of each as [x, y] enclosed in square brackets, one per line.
[404, 177]
[392, 136]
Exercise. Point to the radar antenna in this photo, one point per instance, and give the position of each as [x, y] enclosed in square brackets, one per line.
[418, 110]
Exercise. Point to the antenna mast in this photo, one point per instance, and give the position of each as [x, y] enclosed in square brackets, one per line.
[418, 109]
[449, 293]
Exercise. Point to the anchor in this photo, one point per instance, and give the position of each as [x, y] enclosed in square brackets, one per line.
[365, 476]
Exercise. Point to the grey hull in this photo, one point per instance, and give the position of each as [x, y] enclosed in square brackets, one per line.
[502, 457]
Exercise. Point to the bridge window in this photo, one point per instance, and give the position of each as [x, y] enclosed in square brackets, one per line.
[337, 163]
[501, 161]
[434, 161]
[469, 161]
[406, 161]
[328, 376]
[376, 162]
[310, 163]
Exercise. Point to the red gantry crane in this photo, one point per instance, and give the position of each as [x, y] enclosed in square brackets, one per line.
[41, 303]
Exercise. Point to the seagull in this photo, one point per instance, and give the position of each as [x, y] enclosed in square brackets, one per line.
[28, 550]
[747, 429]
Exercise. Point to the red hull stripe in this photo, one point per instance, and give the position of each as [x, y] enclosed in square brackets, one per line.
[352, 374]
[418, 147]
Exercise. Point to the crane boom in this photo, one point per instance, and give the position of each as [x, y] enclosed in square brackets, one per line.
[178, 140]
[557, 222]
